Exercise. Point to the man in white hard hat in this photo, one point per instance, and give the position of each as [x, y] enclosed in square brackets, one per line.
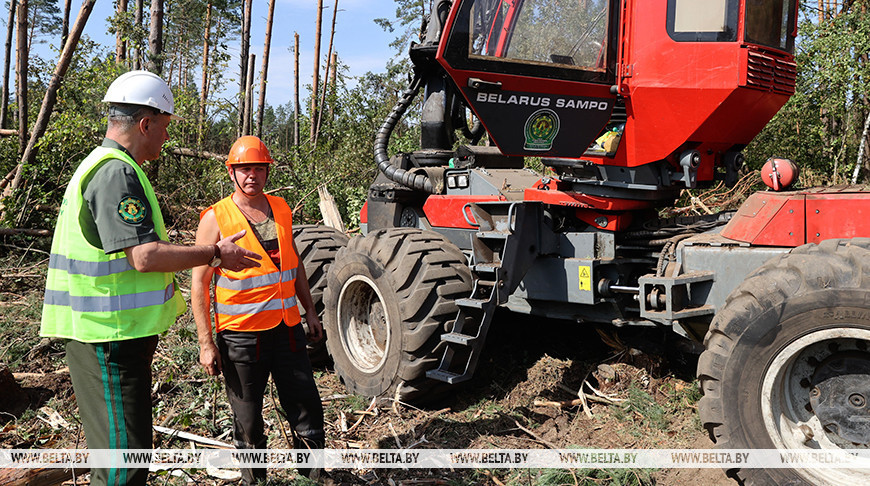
[110, 289]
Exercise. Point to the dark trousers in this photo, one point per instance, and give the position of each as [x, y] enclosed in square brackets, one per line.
[112, 384]
[248, 359]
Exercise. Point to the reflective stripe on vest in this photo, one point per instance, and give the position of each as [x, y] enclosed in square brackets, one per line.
[256, 299]
[91, 269]
[94, 297]
[257, 307]
[256, 281]
[113, 303]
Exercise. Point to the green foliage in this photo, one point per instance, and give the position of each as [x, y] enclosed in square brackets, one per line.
[349, 405]
[485, 409]
[342, 157]
[44, 20]
[680, 397]
[583, 477]
[407, 21]
[76, 126]
[821, 126]
[18, 320]
[642, 409]
[593, 477]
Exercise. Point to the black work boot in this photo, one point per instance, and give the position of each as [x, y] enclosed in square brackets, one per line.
[251, 476]
[306, 443]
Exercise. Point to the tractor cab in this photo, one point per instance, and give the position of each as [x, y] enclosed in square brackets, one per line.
[683, 85]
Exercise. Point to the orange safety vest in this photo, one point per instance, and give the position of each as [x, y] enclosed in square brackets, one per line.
[256, 299]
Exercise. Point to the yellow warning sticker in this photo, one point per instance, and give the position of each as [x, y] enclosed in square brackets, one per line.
[585, 278]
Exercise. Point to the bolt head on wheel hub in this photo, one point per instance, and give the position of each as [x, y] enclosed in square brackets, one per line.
[841, 387]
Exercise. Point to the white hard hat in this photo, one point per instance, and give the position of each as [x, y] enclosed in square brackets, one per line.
[142, 88]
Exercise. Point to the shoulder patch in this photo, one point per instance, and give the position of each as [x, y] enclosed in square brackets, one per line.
[132, 210]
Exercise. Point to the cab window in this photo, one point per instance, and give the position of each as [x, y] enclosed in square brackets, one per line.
[771, 23]
[703, 20]
[570, 33]
[570, 40]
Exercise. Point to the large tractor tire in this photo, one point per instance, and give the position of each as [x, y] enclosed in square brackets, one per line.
[787, 362]
[317, 247]
[390, 298]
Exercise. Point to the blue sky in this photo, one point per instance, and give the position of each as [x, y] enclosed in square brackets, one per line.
[361, 44]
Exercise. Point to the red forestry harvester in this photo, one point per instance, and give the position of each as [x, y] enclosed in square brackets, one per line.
[628, 102]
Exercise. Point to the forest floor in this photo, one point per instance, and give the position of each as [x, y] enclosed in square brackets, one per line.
[529, 369]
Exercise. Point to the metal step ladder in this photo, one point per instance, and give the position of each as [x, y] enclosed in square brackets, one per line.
[503, 249]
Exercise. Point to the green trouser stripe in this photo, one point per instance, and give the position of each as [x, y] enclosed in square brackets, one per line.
[119, 408]
[107, 396]
[114, 408]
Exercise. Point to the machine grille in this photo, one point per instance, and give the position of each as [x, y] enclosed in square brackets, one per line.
[770, 72]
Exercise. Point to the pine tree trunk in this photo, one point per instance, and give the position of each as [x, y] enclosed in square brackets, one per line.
[10, 29]
[64, 28]
[29, 153]
[21, 75]
[155, 38]
[185, 72]
[333, 86]
[261, 105]
[296, 89]
[861, 149]
[315, 82]
[30, 26]
[326, 74]
[137, 53]
[249, 95]
[60, 70]
[244, 47]
[204, 97]
[120, 41]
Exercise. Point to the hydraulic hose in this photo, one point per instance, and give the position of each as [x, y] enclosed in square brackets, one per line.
[415, 181]
[475, 132]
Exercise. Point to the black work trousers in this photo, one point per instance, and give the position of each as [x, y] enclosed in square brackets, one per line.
[248, 358]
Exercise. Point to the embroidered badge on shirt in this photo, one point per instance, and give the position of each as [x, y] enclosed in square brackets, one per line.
[132, 210]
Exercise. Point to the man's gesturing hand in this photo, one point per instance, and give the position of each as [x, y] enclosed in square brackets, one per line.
[234, 257]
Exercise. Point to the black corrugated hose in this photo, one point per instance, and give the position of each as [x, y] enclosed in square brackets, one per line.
[415, 181]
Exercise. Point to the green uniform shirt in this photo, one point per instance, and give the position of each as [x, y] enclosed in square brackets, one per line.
[101, 223]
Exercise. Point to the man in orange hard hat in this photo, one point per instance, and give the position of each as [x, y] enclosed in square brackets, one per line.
[255, 309]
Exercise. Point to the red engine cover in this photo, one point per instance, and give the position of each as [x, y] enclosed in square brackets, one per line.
[792, 219]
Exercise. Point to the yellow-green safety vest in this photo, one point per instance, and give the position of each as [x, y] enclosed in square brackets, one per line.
[94, 297]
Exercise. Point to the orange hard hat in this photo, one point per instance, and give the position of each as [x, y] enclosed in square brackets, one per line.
[249, 150]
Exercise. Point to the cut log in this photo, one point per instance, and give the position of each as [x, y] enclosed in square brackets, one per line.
[329, 210]
[39, 476]
[199, 154]
[21, 376]
[188, 436]
[8, 178]
[25, 231]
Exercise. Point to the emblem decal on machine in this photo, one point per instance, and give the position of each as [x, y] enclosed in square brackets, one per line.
[540, 124]
[540, 130]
